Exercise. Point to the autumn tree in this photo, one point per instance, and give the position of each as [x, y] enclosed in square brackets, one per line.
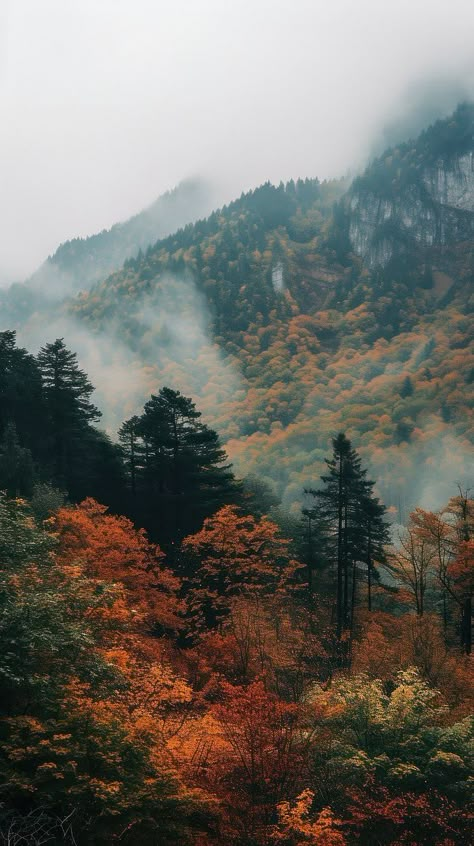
[259, 759]
[412, 565]
[261, 637]
[442, 547]
[297, 827]
[71, 746]
[233, 554]
[460, 513]
[110, 548]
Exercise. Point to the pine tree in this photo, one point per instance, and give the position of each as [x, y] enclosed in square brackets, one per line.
[130, 444]
[21, 402]
[348, 527]
[176, 466]
[376, 536]
[407, 388]
[67, 392]
[16, 465]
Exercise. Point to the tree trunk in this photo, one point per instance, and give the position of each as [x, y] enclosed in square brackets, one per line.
[339, 553]
[346, 571]
[369, 568]
[466, 625]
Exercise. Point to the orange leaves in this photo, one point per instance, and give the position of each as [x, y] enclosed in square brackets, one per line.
[295, 827]
[252, 717]
[114, 721]
[461, 569]
[259, 758]
[111, 549]
[235, 554]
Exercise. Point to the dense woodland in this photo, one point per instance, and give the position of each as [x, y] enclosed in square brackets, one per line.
[265, 316]
[183, 662]
[236, 620]
[295, 329]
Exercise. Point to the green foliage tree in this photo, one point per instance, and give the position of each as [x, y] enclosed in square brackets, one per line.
[20, 393]
[259, 498]
[407, 388]
[393, 752]
[130, 443]
[16, 464]
[176, 467]
[348, 527]
[67, 392]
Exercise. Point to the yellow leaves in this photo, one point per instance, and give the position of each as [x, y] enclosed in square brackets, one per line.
[295, 825]
[49, 769]
[199, 744]
[104, 790]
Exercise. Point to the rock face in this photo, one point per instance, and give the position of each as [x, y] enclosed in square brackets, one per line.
[430, 204]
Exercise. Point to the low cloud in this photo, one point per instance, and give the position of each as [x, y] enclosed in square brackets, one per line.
[106, 105]
[164, 339]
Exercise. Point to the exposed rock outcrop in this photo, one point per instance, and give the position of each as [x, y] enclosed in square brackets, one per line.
[411, 198]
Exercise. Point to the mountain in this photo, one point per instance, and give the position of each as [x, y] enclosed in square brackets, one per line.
[78, 264]
[417, 195]
[305, 309]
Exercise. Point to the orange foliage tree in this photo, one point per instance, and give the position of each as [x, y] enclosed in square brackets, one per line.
[447, 537]
[234, 554]
[84, 753]
[110, 548]
[259, 759]
[295, 826]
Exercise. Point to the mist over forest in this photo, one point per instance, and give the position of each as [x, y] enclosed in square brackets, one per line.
[236, 430]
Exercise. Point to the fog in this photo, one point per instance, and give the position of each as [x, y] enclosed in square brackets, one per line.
[168, 330]
[106, 104]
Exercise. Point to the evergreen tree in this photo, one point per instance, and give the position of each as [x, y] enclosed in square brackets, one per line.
[67, 392]
[104, 475]
[258, 497]
[407, 388]
[376, 537]
[347, 527]
[16, 465]
[176, 467]
[21, 401]
[130, 444]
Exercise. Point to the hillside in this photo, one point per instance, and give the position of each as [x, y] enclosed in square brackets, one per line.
[267, 313]
[81, 262]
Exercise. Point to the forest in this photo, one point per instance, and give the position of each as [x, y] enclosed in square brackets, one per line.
[264, 313]
[293, 327]
[185, 661]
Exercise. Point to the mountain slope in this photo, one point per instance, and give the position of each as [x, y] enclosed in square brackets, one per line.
[80, 263]
[284, 333]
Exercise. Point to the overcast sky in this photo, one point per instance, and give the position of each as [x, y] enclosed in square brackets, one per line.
[107, 103]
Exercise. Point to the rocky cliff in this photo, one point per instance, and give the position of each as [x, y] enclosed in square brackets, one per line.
[416, 196]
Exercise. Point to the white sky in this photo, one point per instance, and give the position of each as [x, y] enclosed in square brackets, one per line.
[107, 103]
